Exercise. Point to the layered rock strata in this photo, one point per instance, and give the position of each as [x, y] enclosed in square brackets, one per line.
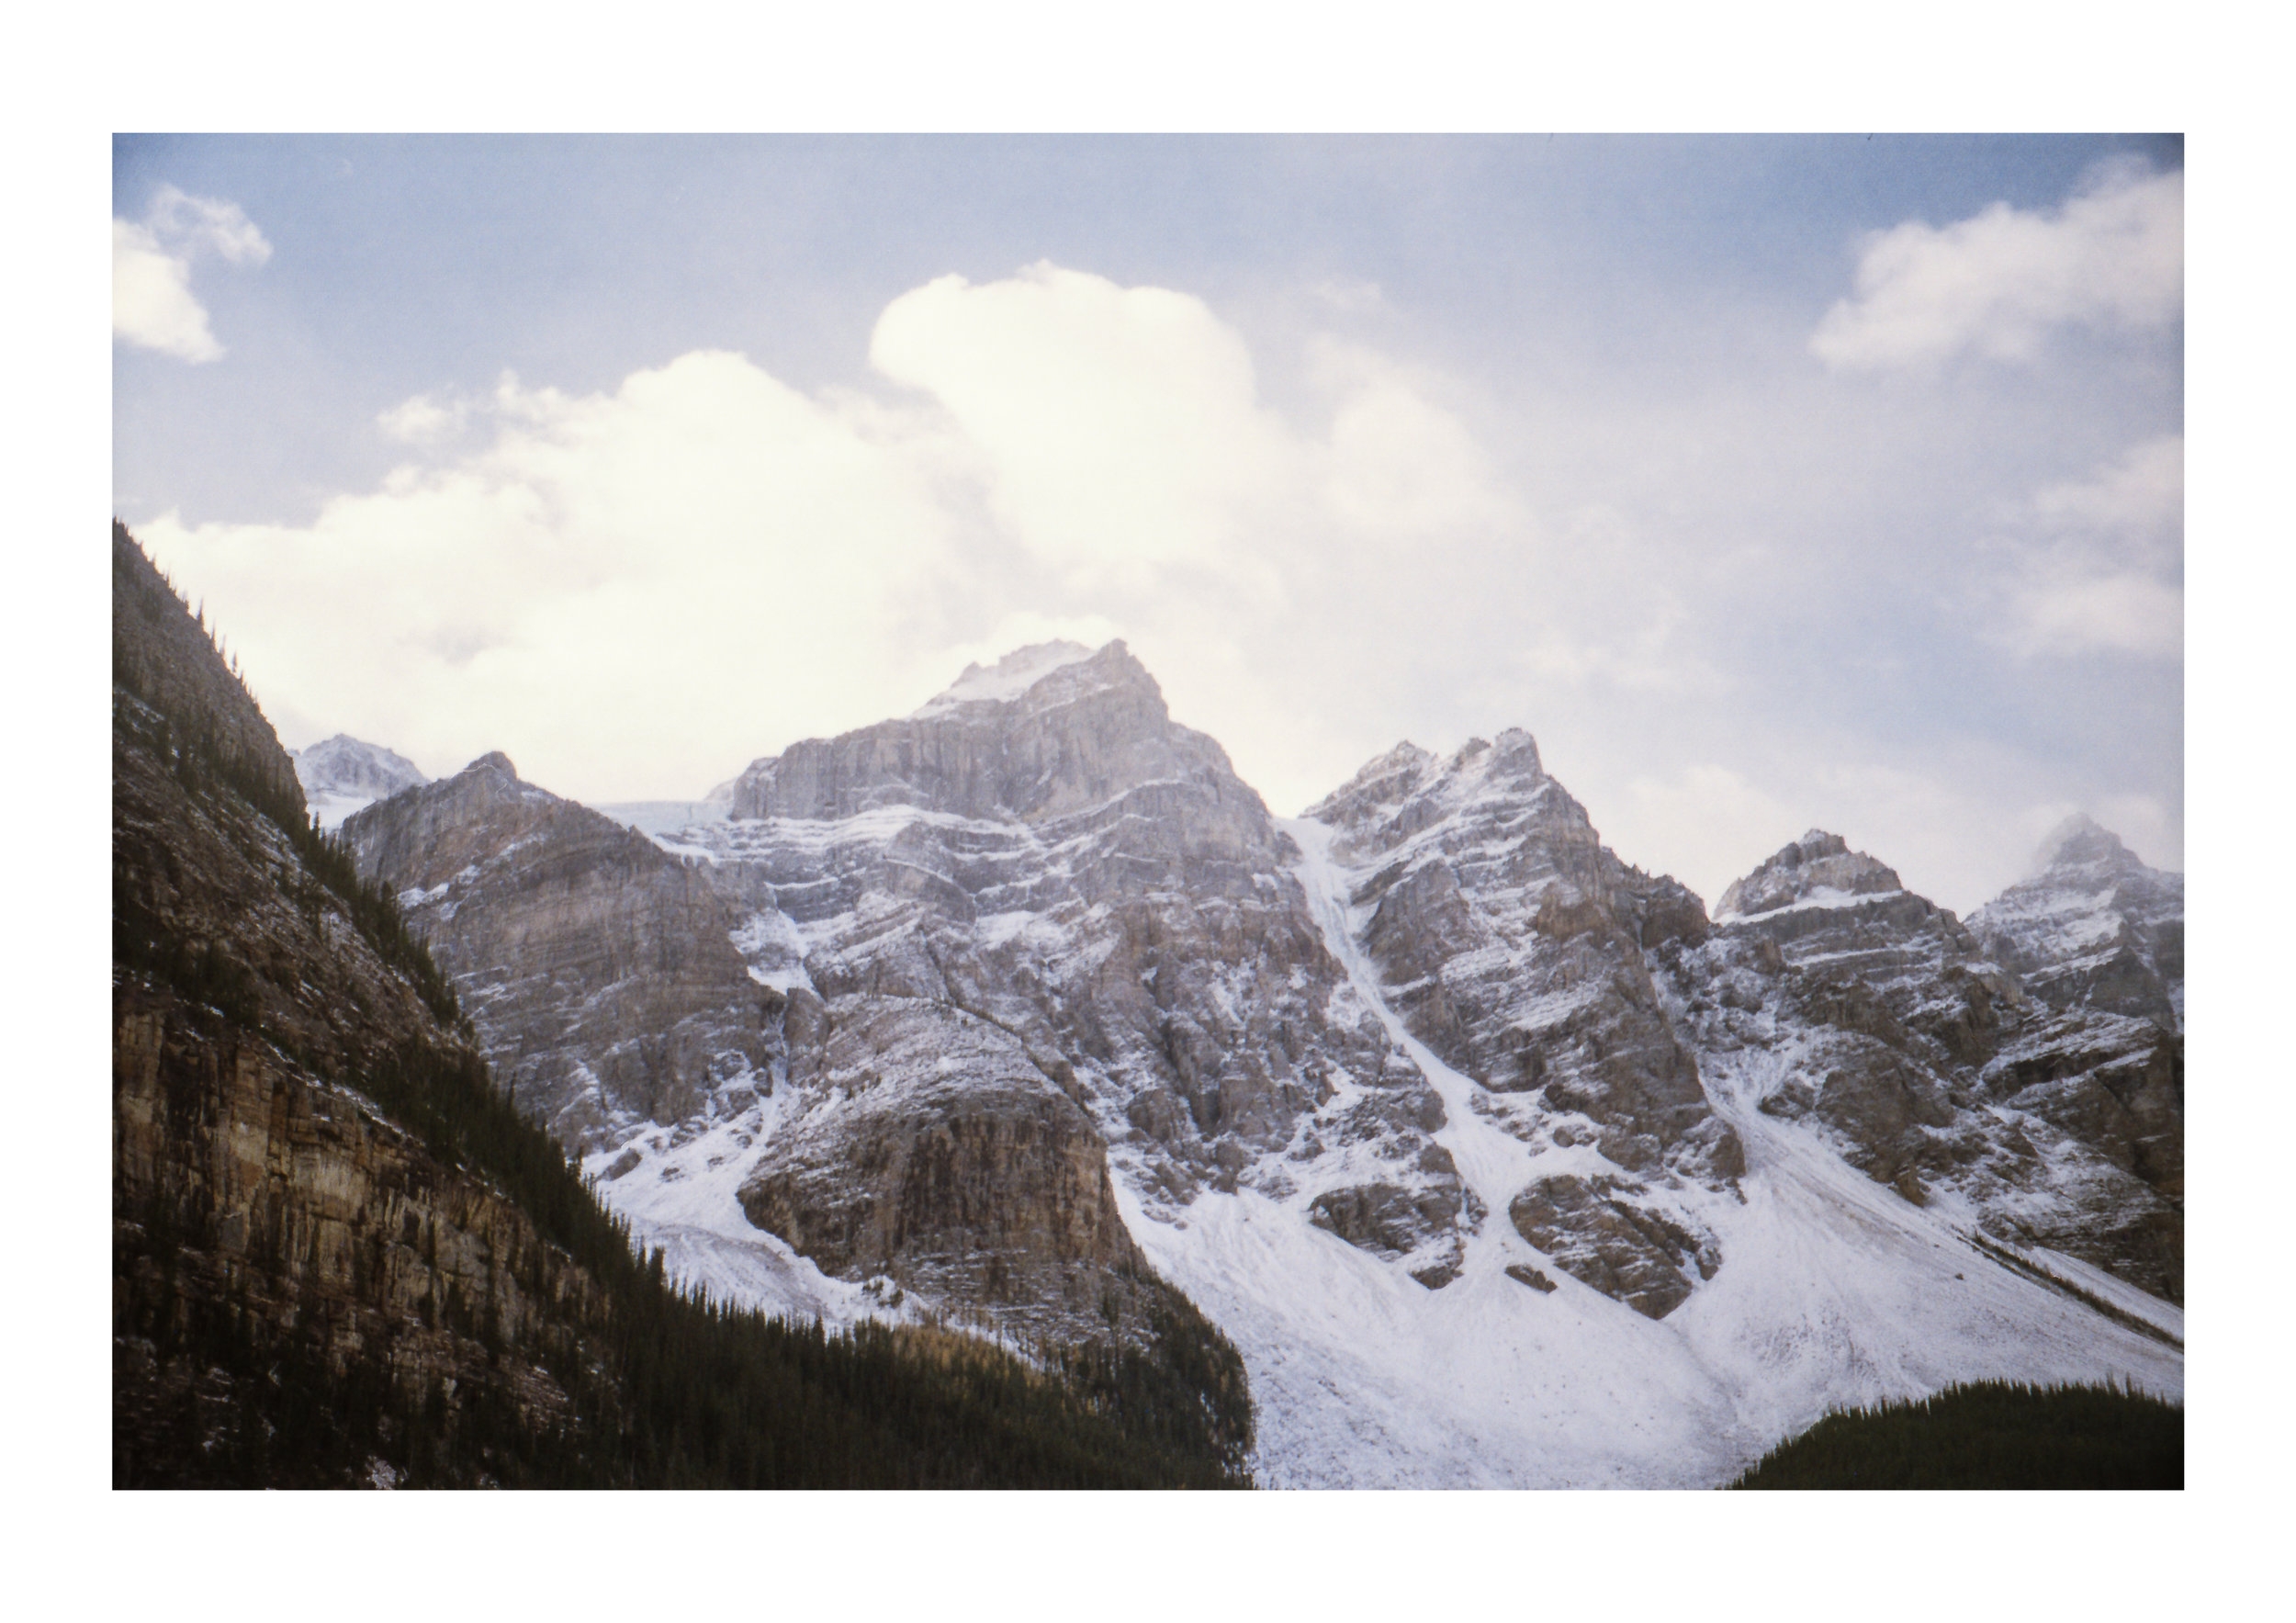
[600, 969]
[926, 1146]
[1044, 853]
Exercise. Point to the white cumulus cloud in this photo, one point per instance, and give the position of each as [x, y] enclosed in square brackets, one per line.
[1118, 426]
[636, 592]
[2111, 257]
[422, 420]
[153, 304]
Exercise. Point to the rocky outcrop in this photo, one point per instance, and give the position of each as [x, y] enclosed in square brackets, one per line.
[1607, 1232]
[2093, 928]
[927, 1147]
[1421, 1225]
[600, 969]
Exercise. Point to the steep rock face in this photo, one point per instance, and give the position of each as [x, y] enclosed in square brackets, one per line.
[1511, 941]
[2113, 1082]
[342, 775]
[599, 968]
[246, 1183]
[2093, 928]
[258, 1192]
[927, 1146]
[1930, 1067]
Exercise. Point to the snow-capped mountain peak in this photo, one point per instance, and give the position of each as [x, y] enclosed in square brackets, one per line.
[1043, 735]
[341, 774]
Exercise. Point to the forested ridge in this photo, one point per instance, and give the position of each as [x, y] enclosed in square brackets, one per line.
[1990, 1433]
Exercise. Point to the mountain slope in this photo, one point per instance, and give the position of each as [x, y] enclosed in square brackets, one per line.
[1832, 1289]
[883, 1154]
[610, 991]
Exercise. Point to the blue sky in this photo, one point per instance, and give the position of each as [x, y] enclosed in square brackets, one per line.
[1770, 482]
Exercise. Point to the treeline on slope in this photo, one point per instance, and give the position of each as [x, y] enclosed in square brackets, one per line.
[1989, 1434]
[667, 1389]
[200, 765]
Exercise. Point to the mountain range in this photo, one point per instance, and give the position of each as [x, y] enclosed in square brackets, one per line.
[1499, 1160]
[342, 1257]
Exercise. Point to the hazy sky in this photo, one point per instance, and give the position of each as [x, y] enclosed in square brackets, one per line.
[1771, 483]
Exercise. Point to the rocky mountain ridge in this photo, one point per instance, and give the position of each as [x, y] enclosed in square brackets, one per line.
[1062, 982]
[1037, 928]
[1932, 1069]
[260, 1196]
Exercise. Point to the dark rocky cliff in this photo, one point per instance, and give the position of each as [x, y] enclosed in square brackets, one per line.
[262, 1197]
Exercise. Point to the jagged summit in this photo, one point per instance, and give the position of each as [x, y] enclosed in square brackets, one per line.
[1008, 677]
[493, 760]
[1385, 783]
[2091, 926]
[1817, 868]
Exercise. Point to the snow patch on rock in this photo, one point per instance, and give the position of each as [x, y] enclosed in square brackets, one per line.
[1010, 677]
